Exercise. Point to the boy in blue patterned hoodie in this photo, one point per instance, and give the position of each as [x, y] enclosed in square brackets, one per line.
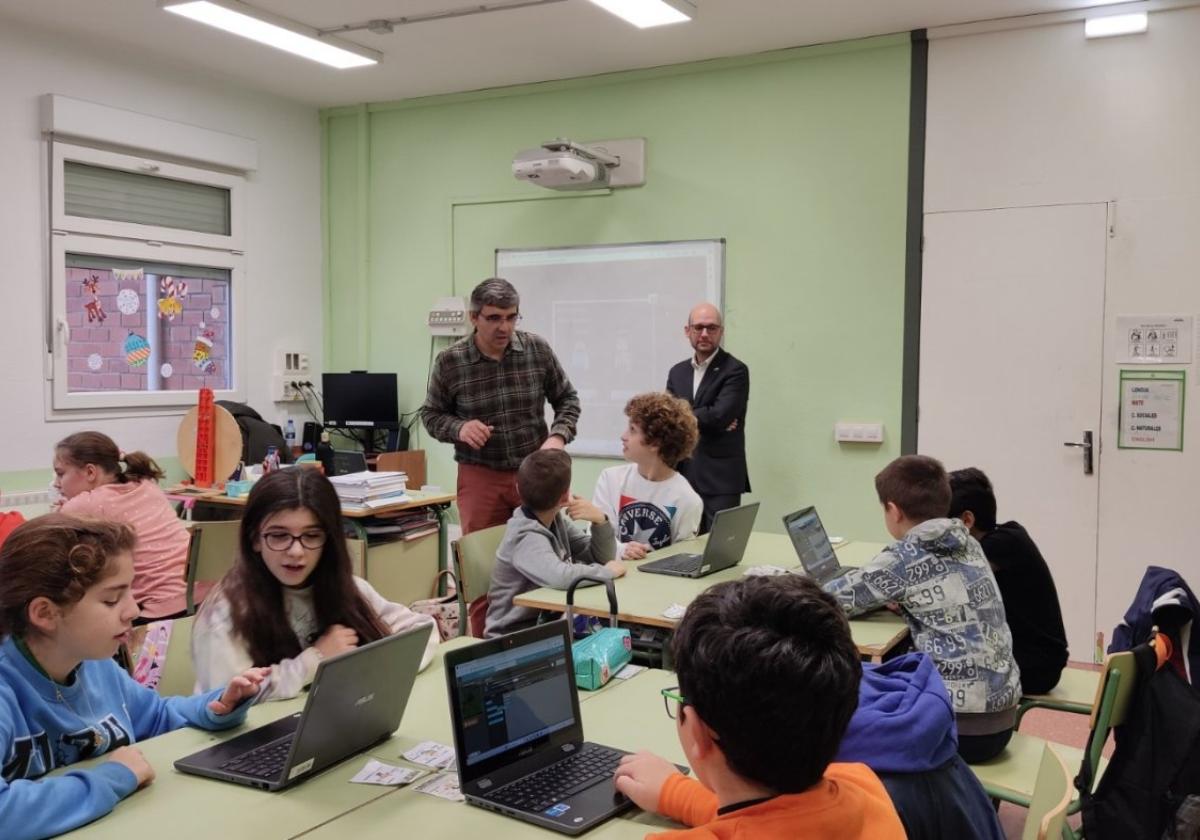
[66, 603]
[936, 576]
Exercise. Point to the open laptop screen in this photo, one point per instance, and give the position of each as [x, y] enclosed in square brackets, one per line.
[513, 699]
[812, 544]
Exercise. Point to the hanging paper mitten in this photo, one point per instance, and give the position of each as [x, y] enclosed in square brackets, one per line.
[202, 355]
[137, 350]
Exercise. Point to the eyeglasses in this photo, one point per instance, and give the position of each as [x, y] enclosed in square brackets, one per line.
[670, 694]
[282, 540]
[496, 320]
[705, 328]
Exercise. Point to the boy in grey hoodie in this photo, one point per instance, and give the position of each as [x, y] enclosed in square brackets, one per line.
[541, 547]
[936, 576]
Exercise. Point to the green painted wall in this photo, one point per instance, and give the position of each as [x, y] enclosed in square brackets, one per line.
[797, 158]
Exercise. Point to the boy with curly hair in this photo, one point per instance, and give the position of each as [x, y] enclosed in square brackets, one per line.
[652, 505]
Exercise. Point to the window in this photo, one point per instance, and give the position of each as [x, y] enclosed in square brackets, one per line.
[146, 281]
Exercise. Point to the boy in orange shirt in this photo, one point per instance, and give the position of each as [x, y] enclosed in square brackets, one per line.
[768, 681]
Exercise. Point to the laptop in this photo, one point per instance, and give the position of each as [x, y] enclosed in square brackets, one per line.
[726, 545]
[812, 545]
[356, 700]
[346, 461]
[518, 737]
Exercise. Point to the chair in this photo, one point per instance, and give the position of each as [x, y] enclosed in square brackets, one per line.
[211, 553]
[474, 557]
[1076, 692]
[410, 461]
[1009, 775]
[1051, 796]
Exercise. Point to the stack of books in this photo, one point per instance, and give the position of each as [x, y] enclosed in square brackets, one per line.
[403, 525]
[370, 490]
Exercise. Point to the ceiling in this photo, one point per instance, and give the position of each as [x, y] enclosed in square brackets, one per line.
[555, 41]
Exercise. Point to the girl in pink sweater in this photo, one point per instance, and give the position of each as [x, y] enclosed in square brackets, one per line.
[98, 481]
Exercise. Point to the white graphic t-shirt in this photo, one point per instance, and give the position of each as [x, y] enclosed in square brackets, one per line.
[657, 513]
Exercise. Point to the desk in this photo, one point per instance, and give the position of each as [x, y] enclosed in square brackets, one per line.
[641, 597]
[401, 571]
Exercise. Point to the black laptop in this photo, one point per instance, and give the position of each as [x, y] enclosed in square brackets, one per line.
[726, 544]
[356, 700]
[812, 545]
[518, 737]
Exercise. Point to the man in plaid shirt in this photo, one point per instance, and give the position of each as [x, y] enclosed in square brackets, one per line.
[487, 396]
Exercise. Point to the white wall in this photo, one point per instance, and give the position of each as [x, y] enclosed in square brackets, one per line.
[283, 234]
[1041, 116]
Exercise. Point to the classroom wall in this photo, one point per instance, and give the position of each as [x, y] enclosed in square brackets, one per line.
[283, 235]
[797, 158]
[1042, 116]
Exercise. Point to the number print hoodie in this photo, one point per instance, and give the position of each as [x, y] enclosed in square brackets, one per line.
[948, 596]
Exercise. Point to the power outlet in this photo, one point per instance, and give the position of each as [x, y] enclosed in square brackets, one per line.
[858, 432]
[282, 389]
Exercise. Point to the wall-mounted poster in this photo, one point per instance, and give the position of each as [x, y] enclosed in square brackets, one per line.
[1154, 339]
[1151, 415]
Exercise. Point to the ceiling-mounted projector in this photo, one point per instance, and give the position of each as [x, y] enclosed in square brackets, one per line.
[565, 165]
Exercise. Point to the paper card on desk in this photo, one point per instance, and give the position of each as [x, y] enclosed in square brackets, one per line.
[378, 773]
[431, 754]
[674, 612]
[628, 671]
[444, 785]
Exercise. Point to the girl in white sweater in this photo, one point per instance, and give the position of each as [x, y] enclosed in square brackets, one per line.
[291, 599]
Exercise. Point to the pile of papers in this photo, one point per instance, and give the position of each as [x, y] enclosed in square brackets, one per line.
[370, 490]
[404, 525]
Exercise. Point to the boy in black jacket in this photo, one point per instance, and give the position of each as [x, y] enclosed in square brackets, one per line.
[1026, 585]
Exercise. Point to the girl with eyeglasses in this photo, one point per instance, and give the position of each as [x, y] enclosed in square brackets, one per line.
[291, 599]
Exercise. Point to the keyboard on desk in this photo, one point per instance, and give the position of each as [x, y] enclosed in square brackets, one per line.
[677, 563]
[550, 785]
[265, 762]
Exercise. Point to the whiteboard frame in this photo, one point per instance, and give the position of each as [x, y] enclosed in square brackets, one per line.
[722, 242]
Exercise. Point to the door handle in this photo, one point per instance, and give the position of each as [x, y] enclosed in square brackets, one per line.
[1086, 446]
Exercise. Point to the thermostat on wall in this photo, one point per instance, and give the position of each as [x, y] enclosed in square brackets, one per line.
[448, 317]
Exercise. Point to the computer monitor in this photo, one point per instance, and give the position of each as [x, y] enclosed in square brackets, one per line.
[361, 400]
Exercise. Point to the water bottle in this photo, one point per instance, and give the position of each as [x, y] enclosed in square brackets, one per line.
[289, 435]
[325, 454]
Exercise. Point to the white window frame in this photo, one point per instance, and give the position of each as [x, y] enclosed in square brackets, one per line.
[72, 243]
[59, 220]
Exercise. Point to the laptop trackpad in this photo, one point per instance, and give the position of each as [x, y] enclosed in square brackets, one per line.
[598, 802]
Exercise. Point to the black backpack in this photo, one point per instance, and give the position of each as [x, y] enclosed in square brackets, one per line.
[257, 434]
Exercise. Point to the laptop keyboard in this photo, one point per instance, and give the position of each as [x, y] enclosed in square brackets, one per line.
[560, 780]
[678, 562]
[265, 762]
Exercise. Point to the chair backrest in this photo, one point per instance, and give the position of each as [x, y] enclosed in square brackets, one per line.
[178, 677]
[1051, 797]
[1113, 695]
[411, 461]
[474, 557]
[211, 553]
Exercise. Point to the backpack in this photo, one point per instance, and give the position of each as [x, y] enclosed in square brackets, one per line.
[257, 434]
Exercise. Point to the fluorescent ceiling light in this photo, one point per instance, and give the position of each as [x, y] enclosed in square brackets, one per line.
[1104, 27]
[647, 13]
[248, 22]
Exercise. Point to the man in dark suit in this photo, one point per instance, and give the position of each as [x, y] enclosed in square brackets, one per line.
[718, 387]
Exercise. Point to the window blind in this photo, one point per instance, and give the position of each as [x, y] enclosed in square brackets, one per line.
[97, 192]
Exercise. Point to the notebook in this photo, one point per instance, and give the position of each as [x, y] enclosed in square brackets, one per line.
[518, 737]
[356, 700]
[726, 544]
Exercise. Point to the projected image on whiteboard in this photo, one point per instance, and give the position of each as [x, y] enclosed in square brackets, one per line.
[614, 315]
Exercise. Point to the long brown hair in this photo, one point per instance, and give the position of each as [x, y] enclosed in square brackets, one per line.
[255, 595]
[83, 448]
[55, 556]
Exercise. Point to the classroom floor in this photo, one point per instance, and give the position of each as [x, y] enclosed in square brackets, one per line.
[1061, 728]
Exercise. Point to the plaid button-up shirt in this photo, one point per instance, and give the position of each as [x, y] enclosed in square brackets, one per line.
[509, 395]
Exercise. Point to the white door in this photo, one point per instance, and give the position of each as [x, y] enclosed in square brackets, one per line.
[1012, 308]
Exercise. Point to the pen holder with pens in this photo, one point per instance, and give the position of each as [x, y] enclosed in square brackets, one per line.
[606, 650]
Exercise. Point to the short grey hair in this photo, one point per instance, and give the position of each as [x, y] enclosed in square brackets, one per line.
[494, 291]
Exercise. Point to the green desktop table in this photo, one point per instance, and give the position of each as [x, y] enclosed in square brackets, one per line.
[642, 598]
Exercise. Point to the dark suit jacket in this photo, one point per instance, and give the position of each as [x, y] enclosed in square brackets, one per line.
[718, 466]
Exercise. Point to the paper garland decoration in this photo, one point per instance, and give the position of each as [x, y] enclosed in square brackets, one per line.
[128, 275]
[170, 301]
[137, 350]
[166, 370]
[128, 301]
[95, 310]
[202, 355]
[95, 362]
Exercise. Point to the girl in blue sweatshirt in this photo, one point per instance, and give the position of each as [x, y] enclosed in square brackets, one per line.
[66, 604]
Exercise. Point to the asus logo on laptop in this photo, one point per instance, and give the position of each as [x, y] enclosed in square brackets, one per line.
[365, 699]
